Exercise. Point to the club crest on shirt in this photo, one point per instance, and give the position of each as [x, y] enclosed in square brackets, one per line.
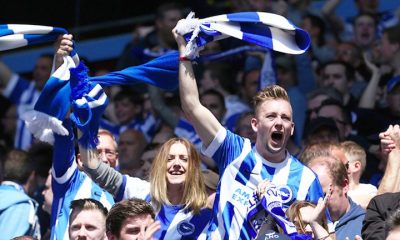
[286, 193]
[185, 228]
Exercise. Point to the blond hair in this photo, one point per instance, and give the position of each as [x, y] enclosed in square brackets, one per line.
[271, 92]
[194, 193]
[355, 152]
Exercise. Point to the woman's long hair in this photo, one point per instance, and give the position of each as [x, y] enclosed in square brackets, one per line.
[194, 193]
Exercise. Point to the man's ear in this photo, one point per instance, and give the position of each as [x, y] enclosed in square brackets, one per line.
[254, 124]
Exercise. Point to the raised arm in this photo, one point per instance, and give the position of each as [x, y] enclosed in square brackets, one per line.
[206, 125]
[368, 98]
[390, 142]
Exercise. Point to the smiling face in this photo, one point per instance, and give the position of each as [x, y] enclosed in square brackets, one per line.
[177, 164]
[274, 126]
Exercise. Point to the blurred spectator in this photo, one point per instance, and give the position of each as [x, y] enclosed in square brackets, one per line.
[321, 130]
[129, 110]
[24, 94]
[159, 40]
[243, 126]
[339, 75]
[321, 50]
[131, 145]
[17, 210]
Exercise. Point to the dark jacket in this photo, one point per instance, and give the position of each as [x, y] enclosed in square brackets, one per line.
[379, 209]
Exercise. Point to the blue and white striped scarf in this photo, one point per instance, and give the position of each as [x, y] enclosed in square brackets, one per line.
[55, 100]
[263, 29]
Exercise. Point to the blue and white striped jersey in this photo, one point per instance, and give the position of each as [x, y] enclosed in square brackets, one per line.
[241, 169]
[68, 184]
[24, 95]
[177, 222]
[148, 126]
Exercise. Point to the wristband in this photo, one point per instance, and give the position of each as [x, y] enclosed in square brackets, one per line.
[183, 59]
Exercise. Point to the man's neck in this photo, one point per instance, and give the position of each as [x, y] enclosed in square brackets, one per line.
[273, 157]
[354, 182]
[345, 207]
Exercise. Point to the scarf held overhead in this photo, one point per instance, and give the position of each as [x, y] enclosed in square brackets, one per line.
[263, 29]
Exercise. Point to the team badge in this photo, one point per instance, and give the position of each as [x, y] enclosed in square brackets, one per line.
[185, 228]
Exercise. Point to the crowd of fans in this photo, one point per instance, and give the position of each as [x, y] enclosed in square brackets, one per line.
[167, 149]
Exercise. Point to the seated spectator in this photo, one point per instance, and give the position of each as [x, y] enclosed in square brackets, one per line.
[131, 219]
[360, 193]
[17, 210]
[87, 220]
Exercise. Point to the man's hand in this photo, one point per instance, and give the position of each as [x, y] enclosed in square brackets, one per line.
[390, 139]
[64, 47]
[179, 39]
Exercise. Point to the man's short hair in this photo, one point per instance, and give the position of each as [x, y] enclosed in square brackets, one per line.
[17, 166]
[337, 170]
[128, 208]
[271, 92]
[87, 204]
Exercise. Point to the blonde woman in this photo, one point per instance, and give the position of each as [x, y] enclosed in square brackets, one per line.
[176, 188]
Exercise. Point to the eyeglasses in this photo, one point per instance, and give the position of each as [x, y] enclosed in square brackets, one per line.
[109, 153]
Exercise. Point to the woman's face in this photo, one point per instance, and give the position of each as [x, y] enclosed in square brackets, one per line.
[177, 164]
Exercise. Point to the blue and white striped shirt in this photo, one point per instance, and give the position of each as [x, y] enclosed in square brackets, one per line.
[24, 95]
[68, 184]
[241, 169]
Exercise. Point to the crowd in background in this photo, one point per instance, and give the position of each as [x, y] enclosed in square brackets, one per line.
[344, 92]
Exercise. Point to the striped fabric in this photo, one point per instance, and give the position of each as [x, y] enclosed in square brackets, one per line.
[263, 29]
[20, 35]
